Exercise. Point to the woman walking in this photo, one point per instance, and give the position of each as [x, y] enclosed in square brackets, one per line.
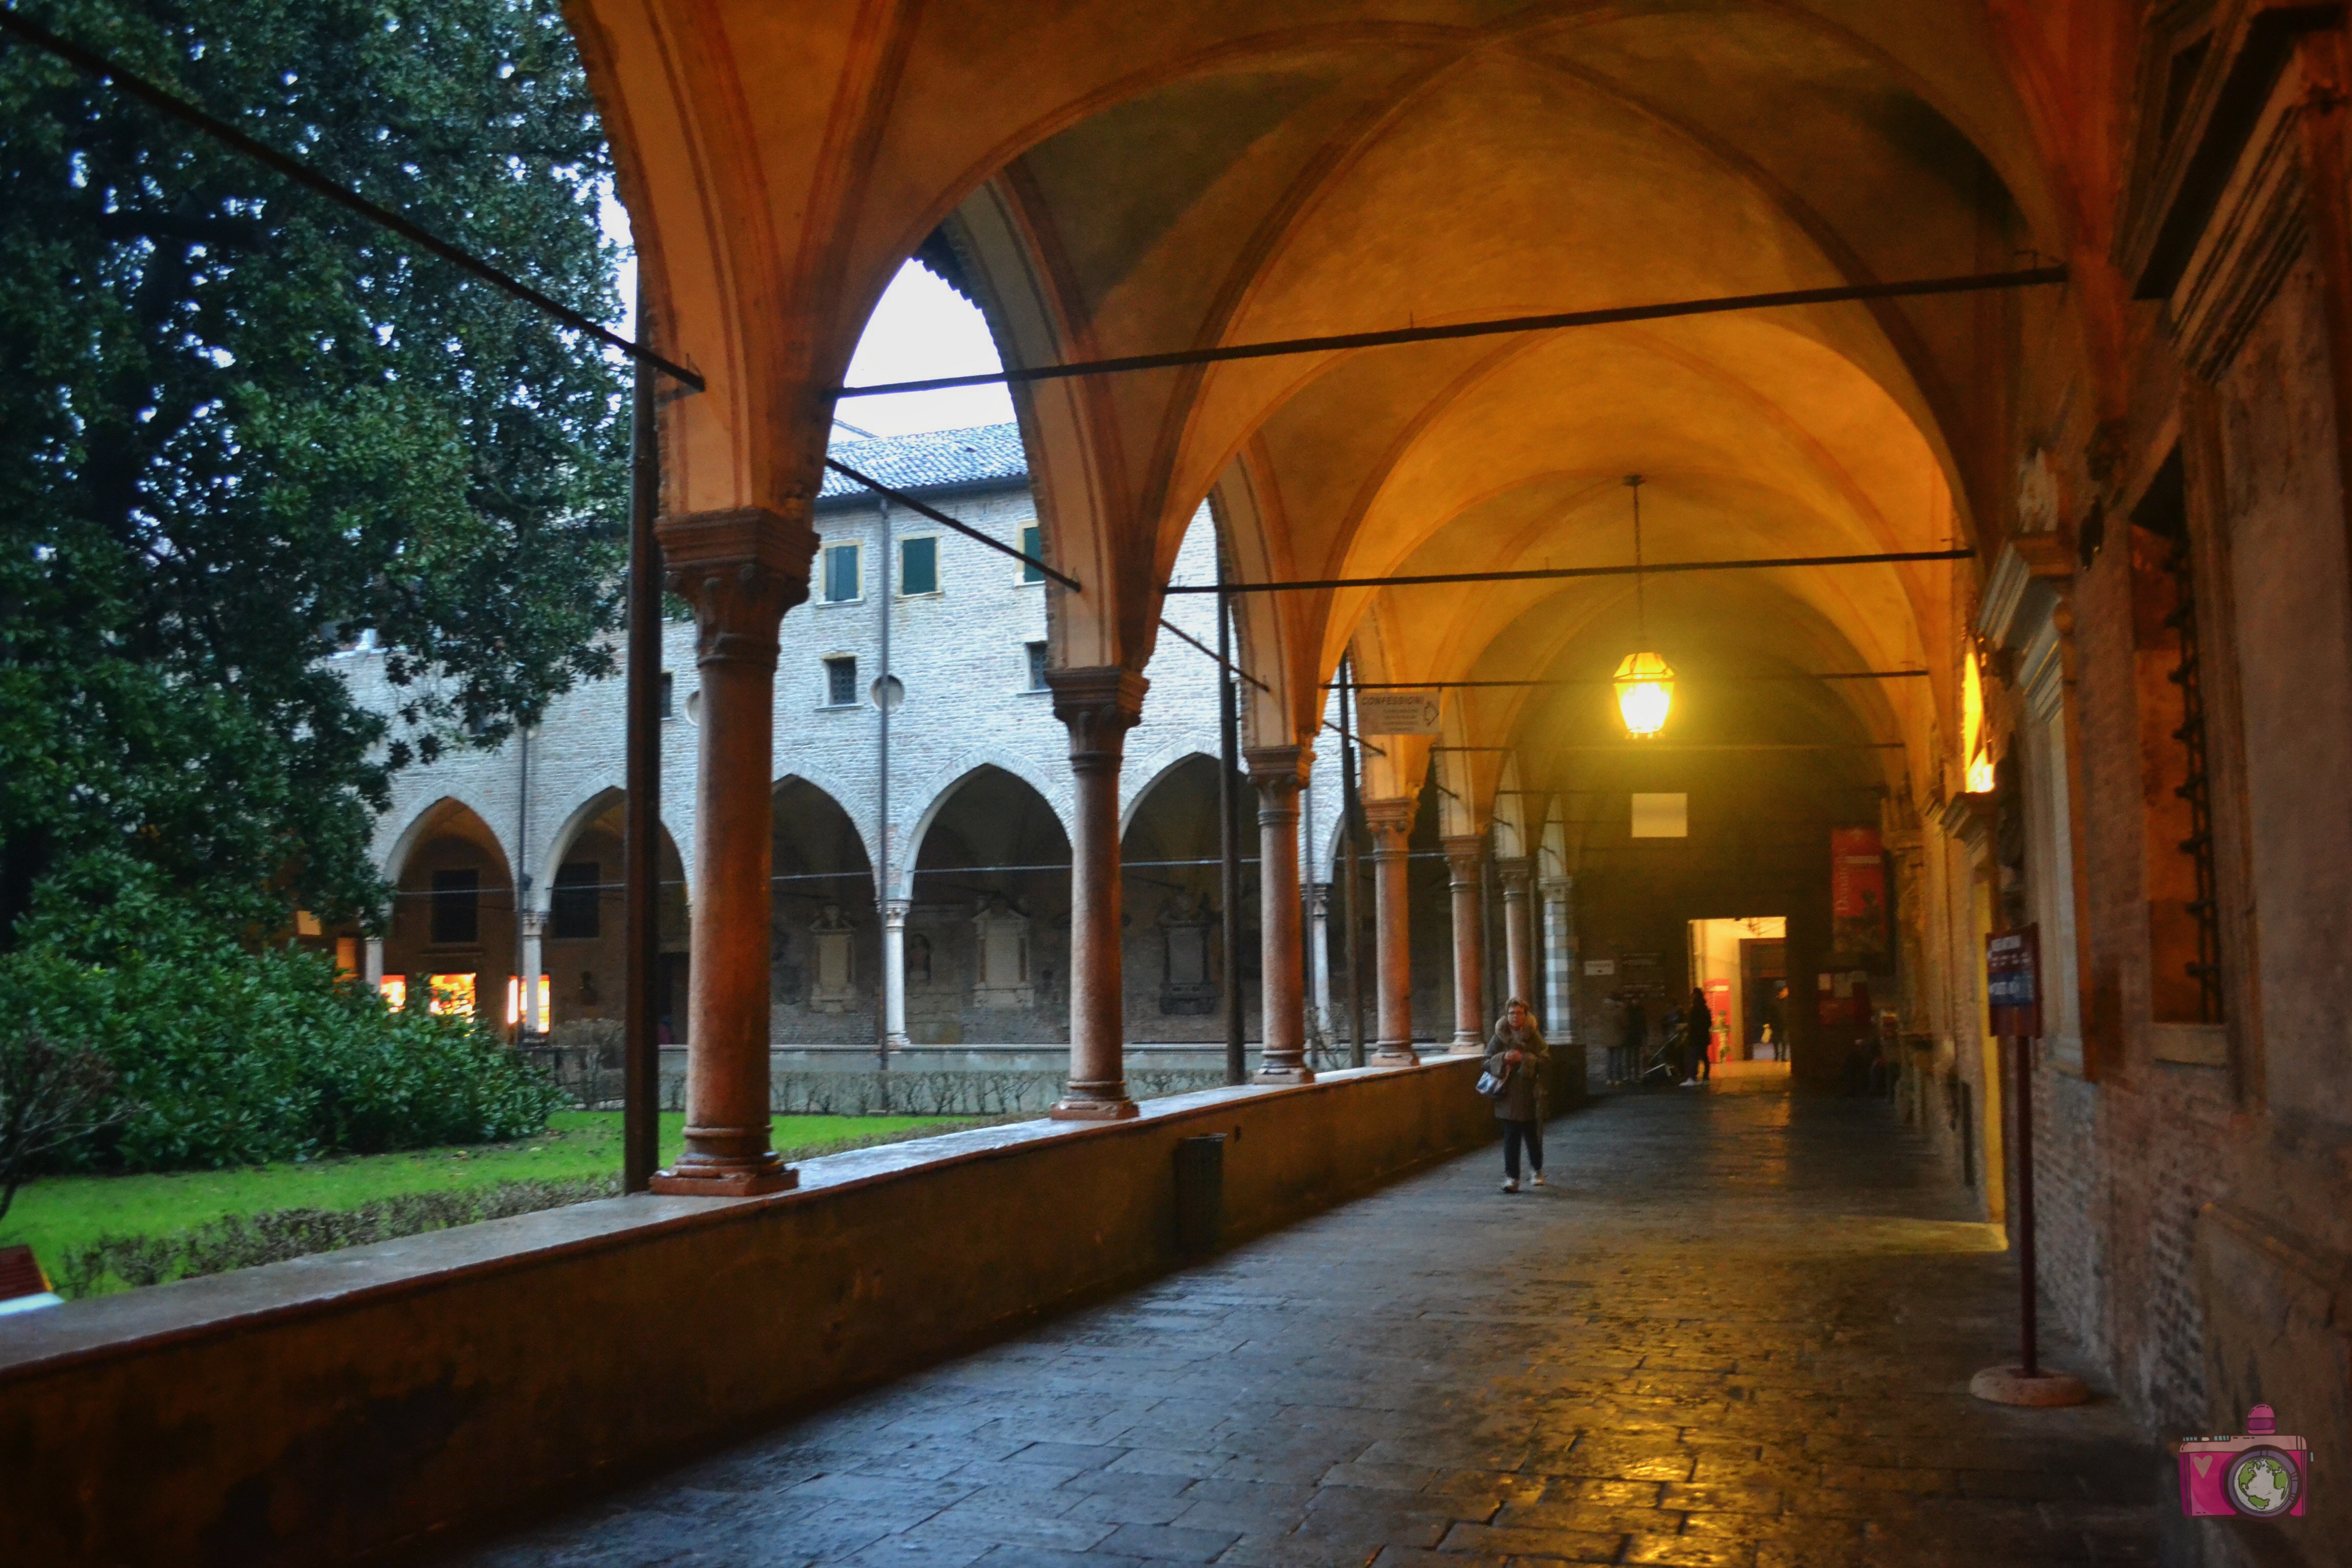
[1516, 1055]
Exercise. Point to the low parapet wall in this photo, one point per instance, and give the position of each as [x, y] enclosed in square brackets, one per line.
[356, 1403]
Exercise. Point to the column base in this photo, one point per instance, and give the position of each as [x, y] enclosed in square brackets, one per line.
[1074, 1108]
[896, 1043]
[1395, 1053]
[1467, 1046]
[2040, 1390]
[724, 1182]
[1282, 1072]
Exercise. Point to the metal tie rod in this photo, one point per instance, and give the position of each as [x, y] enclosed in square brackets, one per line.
[1965, 283]
[1547, 574]
[311, 179]
[1611, 680]
[944, 521]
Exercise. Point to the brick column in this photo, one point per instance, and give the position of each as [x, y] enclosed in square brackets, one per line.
[1099, 706]
[1462, 856]
[1277, 772]
[741, 570]
[1389, 821]
[1518, 932]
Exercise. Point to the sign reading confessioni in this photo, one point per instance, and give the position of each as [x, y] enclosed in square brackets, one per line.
[1397, 713]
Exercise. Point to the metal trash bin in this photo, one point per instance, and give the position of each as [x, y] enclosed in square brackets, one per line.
[1199, 1193]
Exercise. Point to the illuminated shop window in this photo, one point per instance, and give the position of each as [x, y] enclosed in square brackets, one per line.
[394, 989]
[451, 994]
[513, 1015]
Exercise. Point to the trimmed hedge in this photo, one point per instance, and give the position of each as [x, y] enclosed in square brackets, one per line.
[224, 1056]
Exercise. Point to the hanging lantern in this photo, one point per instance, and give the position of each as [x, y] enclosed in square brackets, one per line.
[1645, 689]
[1645, 686]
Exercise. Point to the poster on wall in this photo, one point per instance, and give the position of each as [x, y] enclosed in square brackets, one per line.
[1858, 897]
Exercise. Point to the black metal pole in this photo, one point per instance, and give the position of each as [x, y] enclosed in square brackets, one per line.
[1348, 818]
[641, 835]
[2022, 1050]
[883, 568]
[1229, 839]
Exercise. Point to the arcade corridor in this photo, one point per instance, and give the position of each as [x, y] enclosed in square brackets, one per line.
[1737, 1329]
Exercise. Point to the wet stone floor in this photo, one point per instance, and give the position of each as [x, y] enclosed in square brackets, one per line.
[1737, 1328]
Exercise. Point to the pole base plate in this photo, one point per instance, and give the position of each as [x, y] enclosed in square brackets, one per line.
[2043, 1390]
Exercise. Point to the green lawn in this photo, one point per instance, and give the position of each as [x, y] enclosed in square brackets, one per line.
[59, 1213]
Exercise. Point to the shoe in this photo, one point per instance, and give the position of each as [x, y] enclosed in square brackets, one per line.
[1511, 1187]
[1539, 1178]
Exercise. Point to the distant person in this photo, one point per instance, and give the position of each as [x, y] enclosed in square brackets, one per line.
[1517, 1055]
[1698, 1035]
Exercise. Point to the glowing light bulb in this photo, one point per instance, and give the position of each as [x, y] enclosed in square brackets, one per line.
[1645, 689]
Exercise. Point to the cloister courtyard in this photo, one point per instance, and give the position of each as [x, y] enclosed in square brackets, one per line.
[1805, 542]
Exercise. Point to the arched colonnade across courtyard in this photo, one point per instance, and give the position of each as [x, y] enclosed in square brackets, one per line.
[1108, 184]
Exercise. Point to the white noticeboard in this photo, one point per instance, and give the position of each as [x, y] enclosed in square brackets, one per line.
[1397, 713]
[1661, 816]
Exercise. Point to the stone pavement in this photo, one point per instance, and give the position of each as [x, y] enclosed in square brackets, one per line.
[1737, 1329]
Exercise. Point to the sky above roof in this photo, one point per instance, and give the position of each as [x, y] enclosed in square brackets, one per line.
[921, 329]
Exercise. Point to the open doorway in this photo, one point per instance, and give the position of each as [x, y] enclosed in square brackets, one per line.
[1742, 965]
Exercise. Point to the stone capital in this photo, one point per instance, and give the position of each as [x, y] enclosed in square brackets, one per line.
[1278, 767]
[1386, 820]
[534, 923]
[1277, 772]
[894, 912]
[1557, 886]
[1099, 705]
[740, 570]
[1513, 871]
[1462, 851]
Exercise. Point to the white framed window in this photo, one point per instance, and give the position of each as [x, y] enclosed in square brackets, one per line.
[1033, 544]
[919, 565]
[840, 577]
[840, 681]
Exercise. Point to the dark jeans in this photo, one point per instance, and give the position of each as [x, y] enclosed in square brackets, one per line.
[1514, 1134]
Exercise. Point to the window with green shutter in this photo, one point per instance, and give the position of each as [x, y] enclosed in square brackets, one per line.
[918, 566]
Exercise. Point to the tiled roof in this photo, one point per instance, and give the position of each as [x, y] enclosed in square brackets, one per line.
[933, 460]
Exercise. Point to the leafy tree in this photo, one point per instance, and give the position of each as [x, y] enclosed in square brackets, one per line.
[240, 426]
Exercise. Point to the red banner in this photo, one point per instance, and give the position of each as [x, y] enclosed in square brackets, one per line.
[1858, 896]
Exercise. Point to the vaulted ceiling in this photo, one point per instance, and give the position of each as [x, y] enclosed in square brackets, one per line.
[1117, 180]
